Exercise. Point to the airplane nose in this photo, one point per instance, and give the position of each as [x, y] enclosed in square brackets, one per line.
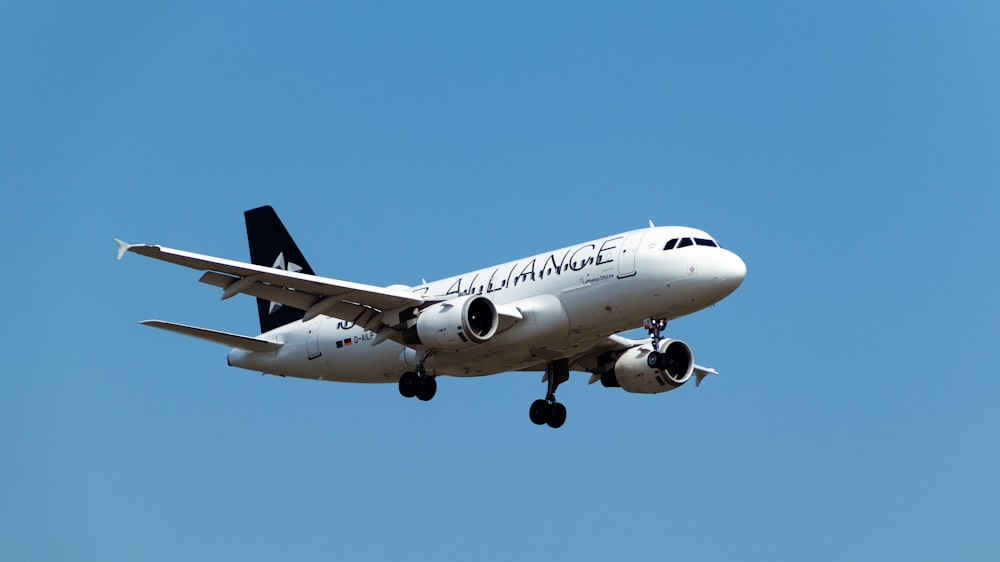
[731, 272]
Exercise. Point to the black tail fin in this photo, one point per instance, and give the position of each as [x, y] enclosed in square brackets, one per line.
[271, 245]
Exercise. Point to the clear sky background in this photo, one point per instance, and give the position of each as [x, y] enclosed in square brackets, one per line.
[848, 151]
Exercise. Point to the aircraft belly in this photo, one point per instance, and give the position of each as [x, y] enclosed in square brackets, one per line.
[465, 364]
[327, 349]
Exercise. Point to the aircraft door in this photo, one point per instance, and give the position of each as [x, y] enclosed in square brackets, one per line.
[626, 259]
[312, 338]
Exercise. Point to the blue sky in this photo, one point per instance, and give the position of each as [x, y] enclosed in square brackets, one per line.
[848, 151]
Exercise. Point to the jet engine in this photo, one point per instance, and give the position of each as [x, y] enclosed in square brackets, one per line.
[632, 371]
[454, 324]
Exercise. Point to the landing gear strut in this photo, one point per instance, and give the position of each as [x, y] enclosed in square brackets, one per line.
[654, 326]
[549, 411]
[418, 384]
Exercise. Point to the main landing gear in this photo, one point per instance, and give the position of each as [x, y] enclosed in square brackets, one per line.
[418, 384]
[549, 411]
[654, 326]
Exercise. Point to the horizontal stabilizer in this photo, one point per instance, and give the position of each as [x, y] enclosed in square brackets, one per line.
[224, 338]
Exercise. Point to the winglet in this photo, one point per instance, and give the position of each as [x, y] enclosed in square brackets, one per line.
[700, 373]
[123, 247]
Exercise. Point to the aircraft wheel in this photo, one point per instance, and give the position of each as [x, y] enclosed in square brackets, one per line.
[540, 412]
[409, 384]
[558, 416]
[427, 388]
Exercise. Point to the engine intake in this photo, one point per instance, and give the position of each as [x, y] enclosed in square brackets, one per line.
[632, 371]
[455, 324]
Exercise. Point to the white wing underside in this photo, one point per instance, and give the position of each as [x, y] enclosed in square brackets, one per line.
[364, 304]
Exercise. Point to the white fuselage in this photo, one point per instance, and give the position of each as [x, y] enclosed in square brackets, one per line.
[569, 299]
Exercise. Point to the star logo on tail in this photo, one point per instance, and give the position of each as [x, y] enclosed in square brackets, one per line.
[280, 263]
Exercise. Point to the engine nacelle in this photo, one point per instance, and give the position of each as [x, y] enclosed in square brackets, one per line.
[633, 373]
[454, 324]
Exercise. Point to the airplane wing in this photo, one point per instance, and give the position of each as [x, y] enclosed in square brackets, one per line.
[314, 294]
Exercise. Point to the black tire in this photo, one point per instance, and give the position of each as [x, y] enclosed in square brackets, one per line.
[428, 388]
[408, 384]
[540, 412]
[654, 360]
[558, 416]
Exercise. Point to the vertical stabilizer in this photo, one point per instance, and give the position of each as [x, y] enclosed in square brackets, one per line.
[271, 245]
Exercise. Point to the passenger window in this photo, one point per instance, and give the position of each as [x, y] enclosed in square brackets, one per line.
[670, 245]
[704, 242]
[685, 242]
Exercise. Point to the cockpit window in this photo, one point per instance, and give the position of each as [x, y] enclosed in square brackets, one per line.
[685, 242]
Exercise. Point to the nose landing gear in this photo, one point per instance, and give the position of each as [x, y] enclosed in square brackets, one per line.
[654, 326]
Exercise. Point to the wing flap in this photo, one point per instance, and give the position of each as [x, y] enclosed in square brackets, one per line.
[287, 297]
[215, 336]
[313, 305]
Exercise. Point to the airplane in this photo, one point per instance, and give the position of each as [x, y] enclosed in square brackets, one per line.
[553, 312]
